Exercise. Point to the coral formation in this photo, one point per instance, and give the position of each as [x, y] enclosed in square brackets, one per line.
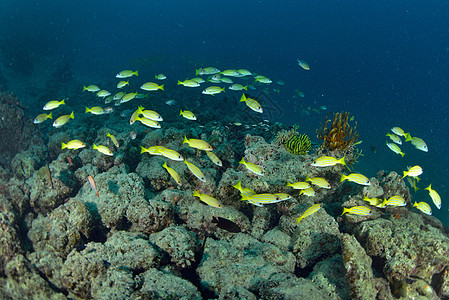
[339, 134]
[298, 145]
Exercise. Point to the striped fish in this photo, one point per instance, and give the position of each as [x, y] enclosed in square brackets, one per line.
[283, 196]
[310, 192]
[169, 153]
[357, 178]
[395, 201]
[374, 201]
[209, 200]
[394, 138]
[434, 195]
[310, 211]
[301, 185]
[424, 207]
[113, 139]
[327, 161]
[214, 158]
[148, 122]
[413, 171]
[252, 167]
[398, 131]
[152, 115]
[357, 210]
[251, 103]
[419, 144]
[154, 150]
[395, 148]
[172, 173]
[244, 191]
[319, 182]
[135, 114]
[262, 198]
[195, 171]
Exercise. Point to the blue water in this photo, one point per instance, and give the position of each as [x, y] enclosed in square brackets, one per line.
[385, 62]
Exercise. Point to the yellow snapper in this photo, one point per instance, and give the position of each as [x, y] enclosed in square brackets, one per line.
[262, 198]
[395, 201]
[244, 191]
[207, 71]
[373, 201]
[53, 104]
[395, 148]
[301, 185]
[73, 144]
[103, 149]
[303, 64]
[108, 99]
[188, 115]
[357, 210]
[113, 139]
[283, 196]
[127, 73]
[231, 72]
[103, 93]
[318, 181]
[189, 83]
[151, 86]
[169, 153]
[209, 200]
[150, 114]
[357, 178]
[160, 77]
[128, 97]
[434, 195]
[412, 181]
[264, 80]
[238, 87]
[417, 142]
[251, 103]
[214, 158]
[118, 96]
[213, 90]
[424, 207]
[62, 120]
[172, 173]
[148, 122]
[198, 144]
[91, 88]
[42, 117]
[252, 167]
[398, 131]
[327, 161]
[226, 80]
[244, 72]
[96, 110]
[394, 138]
[309, 192]
[310, 211]
[198, 79]
[195, 171]
[154, 150]
[122, 84]
[135, 114]
[413, 171]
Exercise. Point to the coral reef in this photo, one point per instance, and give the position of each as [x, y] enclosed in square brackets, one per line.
[339, 135]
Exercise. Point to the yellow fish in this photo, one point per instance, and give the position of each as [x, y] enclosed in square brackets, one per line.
[327, 161]
[169, 153]
[42, 117]
[154, 150]
[357, 178]
[151, 114]
[394, 138]
[212, 90]
[113, 139]
[310, 211]
[189, 83]
[434, 195]
[151, 86]
[73, 144]
[62, 120]
[103, 93]
[303, 64]
[214, 158]
[252, 167]
[148, 122]
[424, 207]
[252, 104]
[96, 110]
[122, 84]
[318, 181]
[395, 148]
[91, 88]
[103, 149]
[398, 131]
[195, 171]
[198, 144]
[209, 200]
[413, 171]
[302, 185]
[128, 97]
[172, 173]
[357, 210]
[188, 115]
[309, 192]
[127, 73]
[53, 104]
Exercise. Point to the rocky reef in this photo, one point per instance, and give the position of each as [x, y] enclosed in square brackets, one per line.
[146, 237]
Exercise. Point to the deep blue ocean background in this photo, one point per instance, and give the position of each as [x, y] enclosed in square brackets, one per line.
[385, 62]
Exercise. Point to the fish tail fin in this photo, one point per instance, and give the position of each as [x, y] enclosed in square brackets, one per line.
[429, 187]
[62, 101]
[242, 161]
[161, 87]
[244, 197]
[245, 88]
[342, 161]
[84, 88]
[179, 82]
[87, 109]
[185, 140]
[408, 137]
[50, 116]
[197, 71]
[288, 183]
[298, 219]
[63, 145]
[243, 98]
[402, 154]
[180, 113]
[108, 134]
[238, 185]
[95, 147]
[307, 177]
[196, 193]
[155, 76]
[165, 165]
[343, 177]
[72, 116]
[143, 149]
[405, 174]
[345, 210]
[223, 90]
[136, 73]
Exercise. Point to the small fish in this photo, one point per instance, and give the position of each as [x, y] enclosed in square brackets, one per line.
[188, 115]
[398, 131]
[151, 114]
[209, 200]
[108, 109]
[394, 138]
[310, 211]
[189, 83]
[424, 207]
[395, 201]
[135, 114]
[231, 72]
[238, 87]
[154, 150]
[373, 201]
[327, 161]
[198, 79]
[53, 104]
[252, 104]
[264, 79]
[357, 210]
[127, 73]
[73, 144]
[63, 120]
[93, 185]
[148, 122]
[214, 158]
[226, 80]
[151, 86]
[283, 196]
[435, 197]
[42, 117]
[213, 90]
[412, 181]
[103, 94]
[244, 191]
[265, 198]
[395, 148]
[413, 171]
[417, 142]
[252, 167]
[318, 181]
[170, 102]
[128, 97]
[172, 173]
[160, 77]
[113, 139]
[301, 185]
[171, 154]
[96, 110]
[195, 171]
[108, 99]
[103, 149]
[198, 144]
[132, 135]
[207, 71]
[226, 224]
[309, 192]
[91, 88]
[118, 96]
[357, 178]
[244, 72]
[122, 84]
[303, 64]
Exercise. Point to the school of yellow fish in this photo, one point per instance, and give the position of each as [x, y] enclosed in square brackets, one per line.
[151, 119]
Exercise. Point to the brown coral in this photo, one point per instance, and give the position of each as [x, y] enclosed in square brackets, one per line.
[339, 135]
[284, 135]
